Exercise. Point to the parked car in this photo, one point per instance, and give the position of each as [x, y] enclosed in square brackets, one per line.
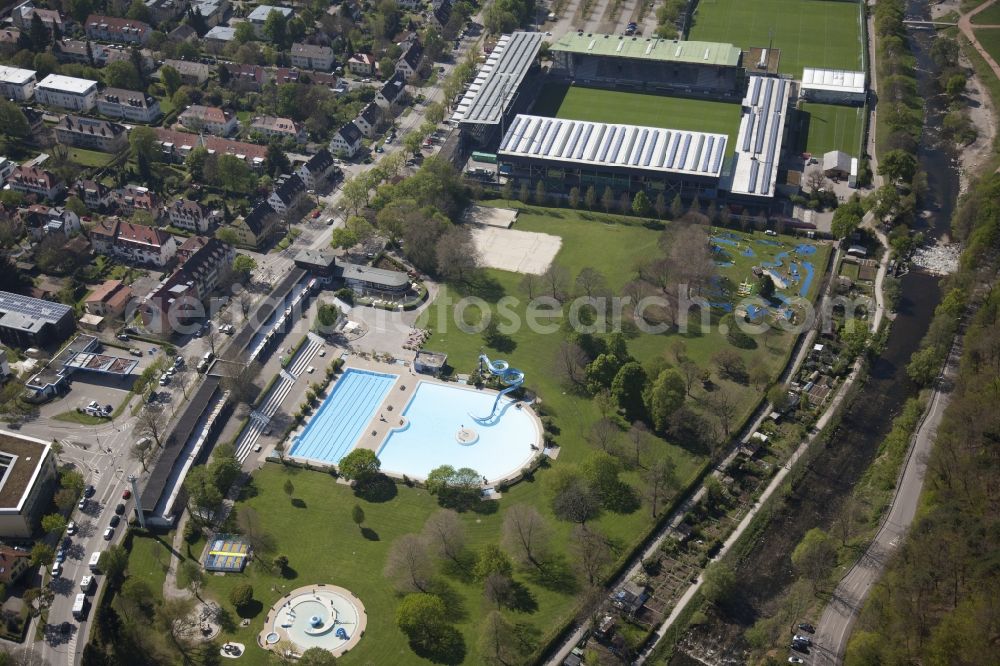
[120, 509]
[802, 639]
[71, 527]
[796, 660]
[128, 493]
[808, 628]
[109, 534]
[122, 336]
[61, 555]
[115, 520]
[82, 504]
[135, 352]
[89, 491]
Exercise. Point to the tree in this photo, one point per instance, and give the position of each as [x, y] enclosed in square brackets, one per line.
[122, 74]
[608, 199]
[360, 465]
[244, 32]
[898, 166]
[847, 218]
[238, 373]
[883, 202]
[113, 563]
[280, 563]
[541, 198]
[590, 198]
[719, 584]
[666, 396]
[408, 565]
[574, 197]
[640, 205]
[507, 191]
[455, 488]
[457, 257]
[358, 515]
[152, 423]
[527, 535]
[523, 192]
[54, 523]
[492, 560]
[142, 141]
[625, 203]
[276, 28]
[676, 208]
[243, 266]
[317, 656]
[591, 282]
[241, 595]
[573, 499]
[498, 589]
[660, 480]
[723, 405]
[420, 614]
[445, 533]
[500, 643]
[288, 487]
[814, 556]
[171, 78]
[765, 287]
[203, 495]
[591, 552]
[194, 577]
[13, 122]
[627, 390]
[42, 554]
[233, 174]
[276, 161]
[660, 205]
[925, 365]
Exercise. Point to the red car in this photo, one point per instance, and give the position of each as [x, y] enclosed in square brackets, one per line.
[126, 494]
[315, 214]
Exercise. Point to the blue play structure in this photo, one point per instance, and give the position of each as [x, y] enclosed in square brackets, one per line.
[511, 377]
[341, 634]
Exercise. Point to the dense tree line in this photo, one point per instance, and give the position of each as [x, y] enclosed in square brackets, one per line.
[937, 602]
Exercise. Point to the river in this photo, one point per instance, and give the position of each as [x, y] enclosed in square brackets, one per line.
[833, 472]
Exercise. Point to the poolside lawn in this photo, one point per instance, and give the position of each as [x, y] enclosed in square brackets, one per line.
[810, 33]
[644, 109]
[830, 127]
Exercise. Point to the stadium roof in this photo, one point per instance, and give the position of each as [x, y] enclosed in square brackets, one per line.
[649, 48]
[499, 79]
[615, 145]
[758, 145]
[835, 80]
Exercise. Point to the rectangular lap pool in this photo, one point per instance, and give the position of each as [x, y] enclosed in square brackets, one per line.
[335, 428]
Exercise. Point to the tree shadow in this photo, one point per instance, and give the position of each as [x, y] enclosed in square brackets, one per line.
[250, 610]
[298, 503]
[555, 574]
[226, 620]
[369, 534]
[521, 599]
[446, 647]
[249, 490]
[378, 490]
[462, 569]
[288, 573]
[482, 285]
[453, 600]
[502, 343]
[485, 507]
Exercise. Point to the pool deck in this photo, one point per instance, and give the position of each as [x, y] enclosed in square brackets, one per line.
[390, 413]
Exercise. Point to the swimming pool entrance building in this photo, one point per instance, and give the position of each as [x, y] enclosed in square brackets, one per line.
[416, 423]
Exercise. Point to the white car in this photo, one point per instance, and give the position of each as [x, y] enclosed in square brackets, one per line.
[71, 527]
[164, 380]
[310, 370]
[322, 353]
[109, 534]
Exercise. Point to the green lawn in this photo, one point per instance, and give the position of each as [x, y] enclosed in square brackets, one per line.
[611, 106]
[989, 16]
[149, 559]
[830, 127]
[89, 158]
[73, 416]
[849, 270]
[990, 39]
[810, 33]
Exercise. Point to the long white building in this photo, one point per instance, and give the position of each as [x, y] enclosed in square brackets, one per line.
[67, 92]
[758, 144]
[16, 83]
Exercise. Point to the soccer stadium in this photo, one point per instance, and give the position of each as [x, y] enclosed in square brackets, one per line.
[691, 118]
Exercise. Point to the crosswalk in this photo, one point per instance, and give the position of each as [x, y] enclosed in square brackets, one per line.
[260, 418]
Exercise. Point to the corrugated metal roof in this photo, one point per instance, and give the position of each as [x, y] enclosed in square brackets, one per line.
[833, 79]
[499, 78]
[615, 145]
[758, 145]
[649, 48]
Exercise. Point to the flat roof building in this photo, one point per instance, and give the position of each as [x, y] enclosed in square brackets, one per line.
[32, 322]
[27, 481]
[649, 48]
[67, 92]
[758, 144]
[833, 86]
[16, 83]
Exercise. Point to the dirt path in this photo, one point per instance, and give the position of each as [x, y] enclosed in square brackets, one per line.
[965, 25]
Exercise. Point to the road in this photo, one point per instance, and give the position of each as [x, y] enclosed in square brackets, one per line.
[834, 628]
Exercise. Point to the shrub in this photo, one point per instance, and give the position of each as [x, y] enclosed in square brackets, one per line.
[241, 595]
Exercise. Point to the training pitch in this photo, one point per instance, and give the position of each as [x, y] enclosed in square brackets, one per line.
[631, 108]
[810, 33]
[831, 127]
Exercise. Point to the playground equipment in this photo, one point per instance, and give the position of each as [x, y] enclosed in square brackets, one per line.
[511, 377]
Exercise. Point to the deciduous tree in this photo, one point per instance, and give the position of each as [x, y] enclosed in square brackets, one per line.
[408, 565]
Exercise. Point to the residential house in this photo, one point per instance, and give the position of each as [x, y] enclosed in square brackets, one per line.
[178, 299]
[24, 14]
[17, 84]
[440, 13]
[392, 94]
[324, 79]
[133, 242]
[361, 64]
[40, 221]
[176, 146]
[127, 200]
[13, 563]
[191, 215]
[34, 180]
[245, 77]
[6, 168]
[213, 11]
[256, 229]
[315, 172]
[280, 75]
[33, 322]
[118, 30]
[162, 11]
[211, 119]
[312, 56]
[287, 193]
[182, 33]
[409, 62]
[281, 128]
[259, 15]
[93, 194]
[98, 55]
[347, 140]
[192, 73]
[29, 480]
[130, 105]
[369, 119]
[66, 92]
[109, 299]
[10, 39]
[92, 134]
[220, 34]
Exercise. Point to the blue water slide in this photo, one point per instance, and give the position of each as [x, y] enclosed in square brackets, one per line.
[511, 377]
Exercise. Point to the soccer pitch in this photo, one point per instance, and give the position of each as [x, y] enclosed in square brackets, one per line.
[810, 33]
[831, 128]
[612, 106]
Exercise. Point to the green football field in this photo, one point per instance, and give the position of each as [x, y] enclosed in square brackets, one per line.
[810, 33]
[830, 127]
[612, 106]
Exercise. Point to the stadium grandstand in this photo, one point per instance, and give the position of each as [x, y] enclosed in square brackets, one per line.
[571, 153]
[708, 69]
[493, 97]
[833, 86]
[758, 145]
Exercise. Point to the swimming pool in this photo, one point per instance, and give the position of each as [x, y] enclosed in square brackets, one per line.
[335, 428]
[440, 428]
